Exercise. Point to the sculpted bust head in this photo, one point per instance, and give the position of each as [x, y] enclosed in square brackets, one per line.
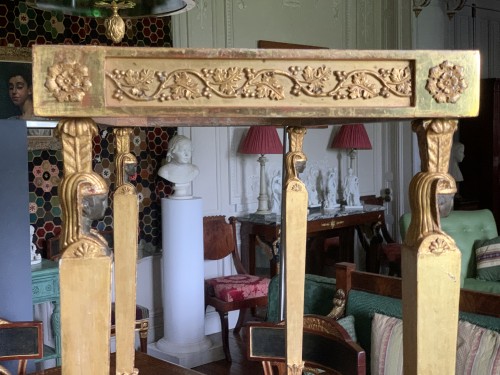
[178, 168]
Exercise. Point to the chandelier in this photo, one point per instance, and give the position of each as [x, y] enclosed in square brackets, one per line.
[115, 26]
[452, 6]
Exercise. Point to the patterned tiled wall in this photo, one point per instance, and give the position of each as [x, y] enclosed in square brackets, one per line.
[22, 26]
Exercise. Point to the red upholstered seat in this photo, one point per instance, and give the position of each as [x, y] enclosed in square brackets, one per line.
[242, 291]
[392, 252]
[238, 287]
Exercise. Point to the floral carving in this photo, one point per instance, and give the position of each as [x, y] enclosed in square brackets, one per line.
[68, 81]
[235, 82]
[446, 82]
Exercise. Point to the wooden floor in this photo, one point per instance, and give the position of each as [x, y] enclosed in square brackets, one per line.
[239, 366]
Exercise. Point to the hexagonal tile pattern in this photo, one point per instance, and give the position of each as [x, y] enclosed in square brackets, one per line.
[23, 26]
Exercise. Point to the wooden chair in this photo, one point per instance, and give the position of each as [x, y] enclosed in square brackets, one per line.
[383, 254]
[326, 346]
[235, 292]
[20, 341]
[141, 312]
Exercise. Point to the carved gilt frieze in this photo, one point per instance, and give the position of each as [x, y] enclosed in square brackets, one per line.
[258, 84]
[247, 82]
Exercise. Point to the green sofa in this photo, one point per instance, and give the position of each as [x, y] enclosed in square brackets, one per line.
[363, 304]
[466, 227]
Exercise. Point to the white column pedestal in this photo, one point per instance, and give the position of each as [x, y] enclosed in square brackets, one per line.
[184, 341]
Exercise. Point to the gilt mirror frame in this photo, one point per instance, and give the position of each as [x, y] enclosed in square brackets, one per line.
[17, 59]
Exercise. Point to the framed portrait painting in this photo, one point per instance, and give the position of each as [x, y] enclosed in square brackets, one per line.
[16, 101]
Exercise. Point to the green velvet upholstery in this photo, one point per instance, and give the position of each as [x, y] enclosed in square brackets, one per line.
[318, 299]
[318, 296]
[465, 227]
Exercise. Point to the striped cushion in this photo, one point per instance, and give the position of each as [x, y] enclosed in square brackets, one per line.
[478, 349]
[387, 345]
[488, 259]
[237, 287]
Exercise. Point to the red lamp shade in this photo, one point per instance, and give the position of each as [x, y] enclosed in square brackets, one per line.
[352, 136]
[261, 140]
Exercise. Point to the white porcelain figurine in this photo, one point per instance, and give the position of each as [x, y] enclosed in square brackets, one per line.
[178, 168]
[351, 190]
[331, 190]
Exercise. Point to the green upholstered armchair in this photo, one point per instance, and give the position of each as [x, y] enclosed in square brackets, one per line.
[467, 227]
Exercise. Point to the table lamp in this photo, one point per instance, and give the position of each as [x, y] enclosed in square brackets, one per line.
[352, 137]
[261, 140]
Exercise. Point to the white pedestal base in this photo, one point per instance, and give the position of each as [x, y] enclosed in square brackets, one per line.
[197, 355]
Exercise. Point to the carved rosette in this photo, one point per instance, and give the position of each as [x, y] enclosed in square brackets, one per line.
[434, 140]
[68, 81]
[446, 82]
[235, 82]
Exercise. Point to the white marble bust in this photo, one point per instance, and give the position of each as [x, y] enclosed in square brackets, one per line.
[178, 168]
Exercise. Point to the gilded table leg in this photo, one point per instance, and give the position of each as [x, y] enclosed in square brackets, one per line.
[85, 265]
[295, 234]
[430, 260]
[126, 223]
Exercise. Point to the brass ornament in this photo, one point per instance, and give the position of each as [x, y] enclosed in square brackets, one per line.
[446, 82]
[68, 81]
[235, 82]
[115, 26]
[339, 301]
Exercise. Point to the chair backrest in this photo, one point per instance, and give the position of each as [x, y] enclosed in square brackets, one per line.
[20, 341]
[219, 240]
[326, 346]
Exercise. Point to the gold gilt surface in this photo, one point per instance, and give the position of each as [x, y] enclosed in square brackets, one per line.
[126, 222]
[295, 230]
[230, 87]
[430, 259]
[204, 84]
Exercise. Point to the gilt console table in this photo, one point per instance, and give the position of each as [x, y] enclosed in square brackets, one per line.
[243, 87]
[45, 287]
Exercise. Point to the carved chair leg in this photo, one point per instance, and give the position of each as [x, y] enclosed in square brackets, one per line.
[241, 321]
[267, 367]
[225, 334]
[21, 368]
[143, 338]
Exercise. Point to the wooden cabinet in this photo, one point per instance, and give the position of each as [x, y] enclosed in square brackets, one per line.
[45, 288]
[481, 138]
